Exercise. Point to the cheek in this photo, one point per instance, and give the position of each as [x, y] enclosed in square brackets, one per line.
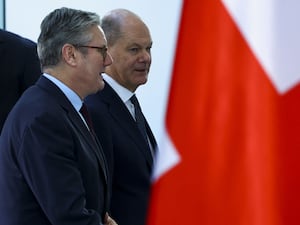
[124, 65]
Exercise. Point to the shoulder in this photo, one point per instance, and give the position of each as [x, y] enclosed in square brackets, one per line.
[102, 99]
[16, 40]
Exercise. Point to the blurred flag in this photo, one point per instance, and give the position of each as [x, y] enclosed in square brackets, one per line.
[231, 150]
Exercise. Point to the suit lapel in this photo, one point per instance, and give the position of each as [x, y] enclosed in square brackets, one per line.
[91, 140]
[76, 122]
[122, 116]
[151, 136]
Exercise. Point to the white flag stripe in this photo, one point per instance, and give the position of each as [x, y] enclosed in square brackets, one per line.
[271, 28]
[166, 158]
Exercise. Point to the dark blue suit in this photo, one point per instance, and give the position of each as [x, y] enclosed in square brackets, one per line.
[125, 146]
[19, 69]
[51, 169]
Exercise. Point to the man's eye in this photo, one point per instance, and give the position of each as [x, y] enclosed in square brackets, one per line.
[134, 50]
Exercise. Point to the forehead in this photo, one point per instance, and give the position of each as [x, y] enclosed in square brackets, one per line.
[98, 35]
[136, 33]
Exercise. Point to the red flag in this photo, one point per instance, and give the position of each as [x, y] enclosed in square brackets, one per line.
[235, 134]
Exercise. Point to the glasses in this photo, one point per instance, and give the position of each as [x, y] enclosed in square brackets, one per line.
[102, 50]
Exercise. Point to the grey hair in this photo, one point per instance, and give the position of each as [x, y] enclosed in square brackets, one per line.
[113, 22]
[61, 26]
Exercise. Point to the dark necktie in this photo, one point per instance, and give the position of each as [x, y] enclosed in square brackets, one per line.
[141, 123]
[84, 112]
[139, 117]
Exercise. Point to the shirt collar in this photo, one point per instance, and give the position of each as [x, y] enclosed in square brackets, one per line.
[123, 92]
[69, 93]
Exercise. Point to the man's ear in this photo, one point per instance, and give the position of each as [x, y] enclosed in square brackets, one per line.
[69, 54]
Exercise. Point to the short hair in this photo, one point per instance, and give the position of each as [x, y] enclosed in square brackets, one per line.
[113, 22]
[61, 26]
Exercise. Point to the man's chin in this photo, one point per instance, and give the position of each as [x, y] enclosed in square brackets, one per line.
[102, 84]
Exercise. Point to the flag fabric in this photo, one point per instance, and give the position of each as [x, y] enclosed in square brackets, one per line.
[230, 154]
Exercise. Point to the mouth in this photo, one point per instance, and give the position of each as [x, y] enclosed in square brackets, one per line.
[142, 70]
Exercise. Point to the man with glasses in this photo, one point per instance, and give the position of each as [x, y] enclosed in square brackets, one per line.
[52, 167]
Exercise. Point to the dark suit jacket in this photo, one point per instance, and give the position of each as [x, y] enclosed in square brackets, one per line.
[19, 68]
[51, 169]
[125, 146]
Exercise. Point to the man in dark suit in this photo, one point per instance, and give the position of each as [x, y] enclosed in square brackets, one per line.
[19, 69]
[52, 167]
[116, 117]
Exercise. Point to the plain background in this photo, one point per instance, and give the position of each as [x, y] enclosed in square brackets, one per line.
[162, 17]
